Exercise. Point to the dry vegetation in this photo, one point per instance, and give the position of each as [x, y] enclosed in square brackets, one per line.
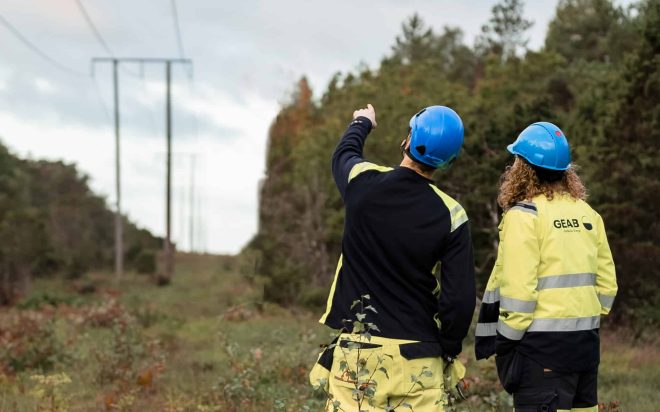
[208, 342]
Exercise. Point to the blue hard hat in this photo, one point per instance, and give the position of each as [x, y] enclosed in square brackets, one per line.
[544, 145]
[436, 136]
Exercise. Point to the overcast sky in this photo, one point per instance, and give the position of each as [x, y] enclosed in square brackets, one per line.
[247, 56]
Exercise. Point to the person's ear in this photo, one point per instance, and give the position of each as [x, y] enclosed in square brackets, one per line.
[405, 144]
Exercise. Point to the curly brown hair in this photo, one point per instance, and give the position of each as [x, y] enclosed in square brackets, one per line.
[521, 182]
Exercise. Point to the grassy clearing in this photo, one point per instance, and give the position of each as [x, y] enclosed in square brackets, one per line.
[208, 343]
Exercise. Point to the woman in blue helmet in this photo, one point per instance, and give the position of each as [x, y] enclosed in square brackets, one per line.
[553, 278]
[398, 226]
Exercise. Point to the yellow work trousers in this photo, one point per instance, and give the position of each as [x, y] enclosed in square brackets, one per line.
[392, 380]
[589, 409]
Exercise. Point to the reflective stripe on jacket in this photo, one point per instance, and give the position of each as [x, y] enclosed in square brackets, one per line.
[553, 278]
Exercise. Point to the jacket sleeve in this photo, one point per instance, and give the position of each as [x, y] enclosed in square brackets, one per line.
[518, 277]
[606, 286]
[348, 152]
[489, 312]
[458, 291]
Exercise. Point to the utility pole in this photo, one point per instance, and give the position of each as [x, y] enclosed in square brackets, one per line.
[201, 230]
[167, 244]
[191, 188]
[169, 258]
[119, 224]
[188, 197]
[181, 210]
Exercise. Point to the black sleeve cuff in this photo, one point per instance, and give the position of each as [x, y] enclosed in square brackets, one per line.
[362, 122]
[450, 348]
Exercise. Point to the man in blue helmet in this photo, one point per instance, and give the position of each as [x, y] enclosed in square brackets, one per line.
[553, 279]
[407, 247]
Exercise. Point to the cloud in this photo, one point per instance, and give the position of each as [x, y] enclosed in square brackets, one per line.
[247, 56]
[44, 86]
[227, 175]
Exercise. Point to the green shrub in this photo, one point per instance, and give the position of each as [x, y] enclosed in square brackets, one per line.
[39, 300]
[314, 298]
[28, 340]
[145, 262]
[119, 358]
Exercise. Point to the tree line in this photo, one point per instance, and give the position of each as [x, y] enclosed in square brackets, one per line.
[597, 76]
[51, 224]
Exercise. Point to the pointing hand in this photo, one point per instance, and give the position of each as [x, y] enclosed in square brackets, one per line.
[367, 112]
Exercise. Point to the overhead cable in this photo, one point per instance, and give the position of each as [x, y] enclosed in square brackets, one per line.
[91, 25]
[98, 35]
[27, 43]
[177, 29]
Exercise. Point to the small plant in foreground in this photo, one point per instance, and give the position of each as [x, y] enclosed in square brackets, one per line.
[48, 391]
[362, 377]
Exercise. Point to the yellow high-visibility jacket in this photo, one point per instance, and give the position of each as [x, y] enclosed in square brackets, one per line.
[553, 279]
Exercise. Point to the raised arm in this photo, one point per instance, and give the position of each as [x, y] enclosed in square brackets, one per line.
[349, 150]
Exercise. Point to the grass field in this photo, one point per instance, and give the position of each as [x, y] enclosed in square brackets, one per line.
[207, 342]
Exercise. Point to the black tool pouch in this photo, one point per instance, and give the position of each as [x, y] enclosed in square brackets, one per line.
[540, 401]
[509, 370]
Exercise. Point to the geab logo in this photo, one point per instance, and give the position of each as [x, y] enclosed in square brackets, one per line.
[566, 223]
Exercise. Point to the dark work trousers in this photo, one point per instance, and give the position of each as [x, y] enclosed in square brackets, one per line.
[537, 389]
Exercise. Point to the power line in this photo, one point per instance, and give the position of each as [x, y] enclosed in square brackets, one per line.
[98, 35]
[177, 29]
[37, 50]
[91, 25]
